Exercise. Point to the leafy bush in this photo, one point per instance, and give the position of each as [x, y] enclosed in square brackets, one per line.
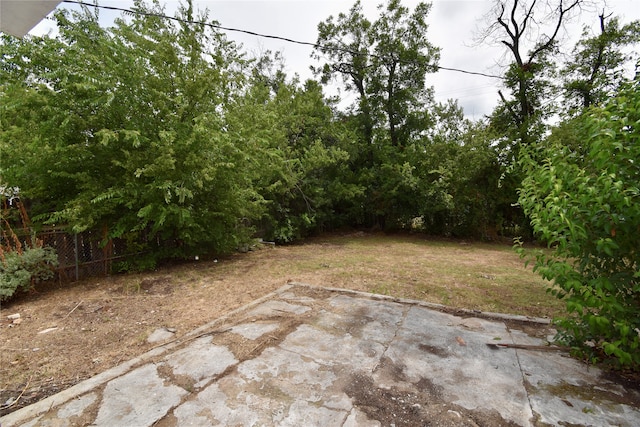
[20, 270]
[584, 200]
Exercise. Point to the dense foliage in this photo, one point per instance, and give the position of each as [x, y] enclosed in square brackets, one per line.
[21, 270]
[165, 130]
[123, 128]
[584, 199]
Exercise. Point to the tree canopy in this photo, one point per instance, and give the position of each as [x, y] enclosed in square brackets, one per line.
[166, 127]
[129, 128]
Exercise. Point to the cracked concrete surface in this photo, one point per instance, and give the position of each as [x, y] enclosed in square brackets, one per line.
[308, 356]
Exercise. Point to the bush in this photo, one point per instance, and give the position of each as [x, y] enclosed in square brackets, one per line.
[584, 200]
[21, 270]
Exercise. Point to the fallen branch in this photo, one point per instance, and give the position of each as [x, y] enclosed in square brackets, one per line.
[528, 347]
[72, 310]
[191, 338]
[15, 402]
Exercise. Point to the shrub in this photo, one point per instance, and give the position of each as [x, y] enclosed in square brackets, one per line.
[21, 270]
[584, 200]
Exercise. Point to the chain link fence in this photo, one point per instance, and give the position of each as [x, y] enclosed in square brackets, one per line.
[88, 254]
[80, 255]
[93, 254]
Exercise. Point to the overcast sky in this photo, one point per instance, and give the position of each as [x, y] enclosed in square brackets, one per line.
[453, 25]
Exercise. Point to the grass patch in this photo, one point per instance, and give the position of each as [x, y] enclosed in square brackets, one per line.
[477, 276]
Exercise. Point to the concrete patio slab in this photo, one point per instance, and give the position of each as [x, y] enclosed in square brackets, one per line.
[310, 356]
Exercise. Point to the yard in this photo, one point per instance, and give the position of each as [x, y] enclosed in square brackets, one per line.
[68, 333]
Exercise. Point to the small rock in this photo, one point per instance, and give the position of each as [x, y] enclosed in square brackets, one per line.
[46, 331]
[13, 316]
[17, 321]
[472, 323]
[160, 334]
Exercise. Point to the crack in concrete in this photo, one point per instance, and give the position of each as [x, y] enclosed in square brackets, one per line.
[399, 324]
[522, 374]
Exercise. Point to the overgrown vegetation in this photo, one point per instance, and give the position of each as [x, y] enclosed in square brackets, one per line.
[23, 262]
[169, 129]
[584, 200]
[21, 270]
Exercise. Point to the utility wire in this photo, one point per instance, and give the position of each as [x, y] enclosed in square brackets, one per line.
[252, 33]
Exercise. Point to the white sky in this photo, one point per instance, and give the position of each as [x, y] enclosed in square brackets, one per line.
[452, 26]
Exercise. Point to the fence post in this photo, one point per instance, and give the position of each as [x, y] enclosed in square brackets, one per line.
[107, 250]
[75, 243]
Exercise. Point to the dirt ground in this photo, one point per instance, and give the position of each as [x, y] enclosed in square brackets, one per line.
[70, 332]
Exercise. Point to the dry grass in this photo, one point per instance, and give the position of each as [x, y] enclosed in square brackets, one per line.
[477, 276]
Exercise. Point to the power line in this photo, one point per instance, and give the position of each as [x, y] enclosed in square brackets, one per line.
[475, 73]
[253, 33]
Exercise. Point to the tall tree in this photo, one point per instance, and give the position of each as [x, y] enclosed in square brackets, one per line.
[402, 59]
[596, 68]
[385, 63]
[346, 48]
[530, 30]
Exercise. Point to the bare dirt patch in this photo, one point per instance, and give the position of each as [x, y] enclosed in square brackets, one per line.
[73, 331]
[392, 406]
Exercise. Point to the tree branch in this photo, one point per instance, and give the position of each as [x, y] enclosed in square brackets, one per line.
[528, 16]
[504, 24]
[552, 39]
[515, 116]
[588, 92]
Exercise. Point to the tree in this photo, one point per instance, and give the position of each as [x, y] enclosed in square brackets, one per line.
[385, 63]
[459, 177]
[596, 68]
[129, 129]
[302, 175]
[518, 25]
[346, 46]
[585, 204]
[402, 57]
